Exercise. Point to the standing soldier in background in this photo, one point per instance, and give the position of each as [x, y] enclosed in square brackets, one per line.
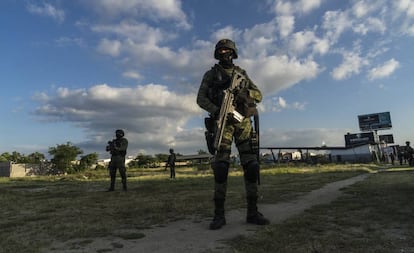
[210, 97]
[400, 154]
[118, 149]
[171, 163]
[409, 151]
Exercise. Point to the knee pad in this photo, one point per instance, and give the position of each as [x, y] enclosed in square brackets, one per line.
[221, 171]
[251, 171]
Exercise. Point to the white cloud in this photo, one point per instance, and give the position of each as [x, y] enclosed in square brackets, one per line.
[384, 70]
[321, 46]
[110, 47]
[277, 104]
[301, 41]
[404, 11]
[143, 52]
[302, 137]
[261, 53]
[132, 75]
[307, 6]
[362, 18]
[370, 25]
[284, 7]
[227, 32]
[352, 64]
[47, 10]
[335, 23]
[167, 10]
[139, 45]
[137, 32]
[286, 25]
[275, 73]
[259, 40]
[406, 6]
[282, 102]
[150, 114]
[362, 8]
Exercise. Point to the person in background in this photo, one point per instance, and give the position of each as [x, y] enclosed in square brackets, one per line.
[118, 149]
[171, 163]
[409, 151]
[392, 157]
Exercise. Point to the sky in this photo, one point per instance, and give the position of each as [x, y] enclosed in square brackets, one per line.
[75, 71]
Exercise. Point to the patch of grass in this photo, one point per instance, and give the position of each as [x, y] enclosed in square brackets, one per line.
[37, 211]
[131, 236]
[375, 215]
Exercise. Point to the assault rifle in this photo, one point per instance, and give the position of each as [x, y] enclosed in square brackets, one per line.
[228, 108]
[111, 146]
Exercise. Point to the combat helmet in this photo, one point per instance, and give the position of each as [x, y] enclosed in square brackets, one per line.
[227, 43]
[120, 132]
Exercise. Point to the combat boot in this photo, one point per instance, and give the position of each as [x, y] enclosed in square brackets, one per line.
[112, 186]
[257, 218]
[219, 219]
[254, 216]
[217, 222]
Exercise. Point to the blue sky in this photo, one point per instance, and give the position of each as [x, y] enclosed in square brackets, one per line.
[74, 71]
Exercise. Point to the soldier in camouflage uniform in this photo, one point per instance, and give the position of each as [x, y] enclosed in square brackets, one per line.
[210, 96]
[409, 151]
[117, 148]
[171, 163]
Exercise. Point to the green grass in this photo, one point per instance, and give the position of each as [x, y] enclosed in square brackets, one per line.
[376, 215]
[37, 211]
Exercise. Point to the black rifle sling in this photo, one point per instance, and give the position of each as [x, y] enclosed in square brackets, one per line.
[257, 133]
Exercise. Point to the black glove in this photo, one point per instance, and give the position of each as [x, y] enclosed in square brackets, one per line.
[216, 114]
[242, 96]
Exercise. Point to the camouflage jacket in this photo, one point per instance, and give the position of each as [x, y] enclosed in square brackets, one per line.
[119, 147]
[210, 96]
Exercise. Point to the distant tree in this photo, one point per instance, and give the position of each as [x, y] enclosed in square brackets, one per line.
[16, 157]
[142, 161]
[35, 157]
[159, 158]
[87, 161]
[21, 158]
[63, 155]
[5, 157]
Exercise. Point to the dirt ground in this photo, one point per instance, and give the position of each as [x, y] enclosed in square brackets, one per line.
[193, 235]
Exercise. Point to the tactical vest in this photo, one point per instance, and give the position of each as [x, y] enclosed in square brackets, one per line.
[117, 143]
[220, 82]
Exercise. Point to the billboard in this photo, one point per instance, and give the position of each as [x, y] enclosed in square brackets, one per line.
[374, 121]
[386, 138]
[359, 139]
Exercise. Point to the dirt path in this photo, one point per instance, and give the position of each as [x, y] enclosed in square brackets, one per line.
[193, 235]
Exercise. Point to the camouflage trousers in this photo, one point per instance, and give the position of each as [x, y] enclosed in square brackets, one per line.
[117, 162]
[241, 133]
